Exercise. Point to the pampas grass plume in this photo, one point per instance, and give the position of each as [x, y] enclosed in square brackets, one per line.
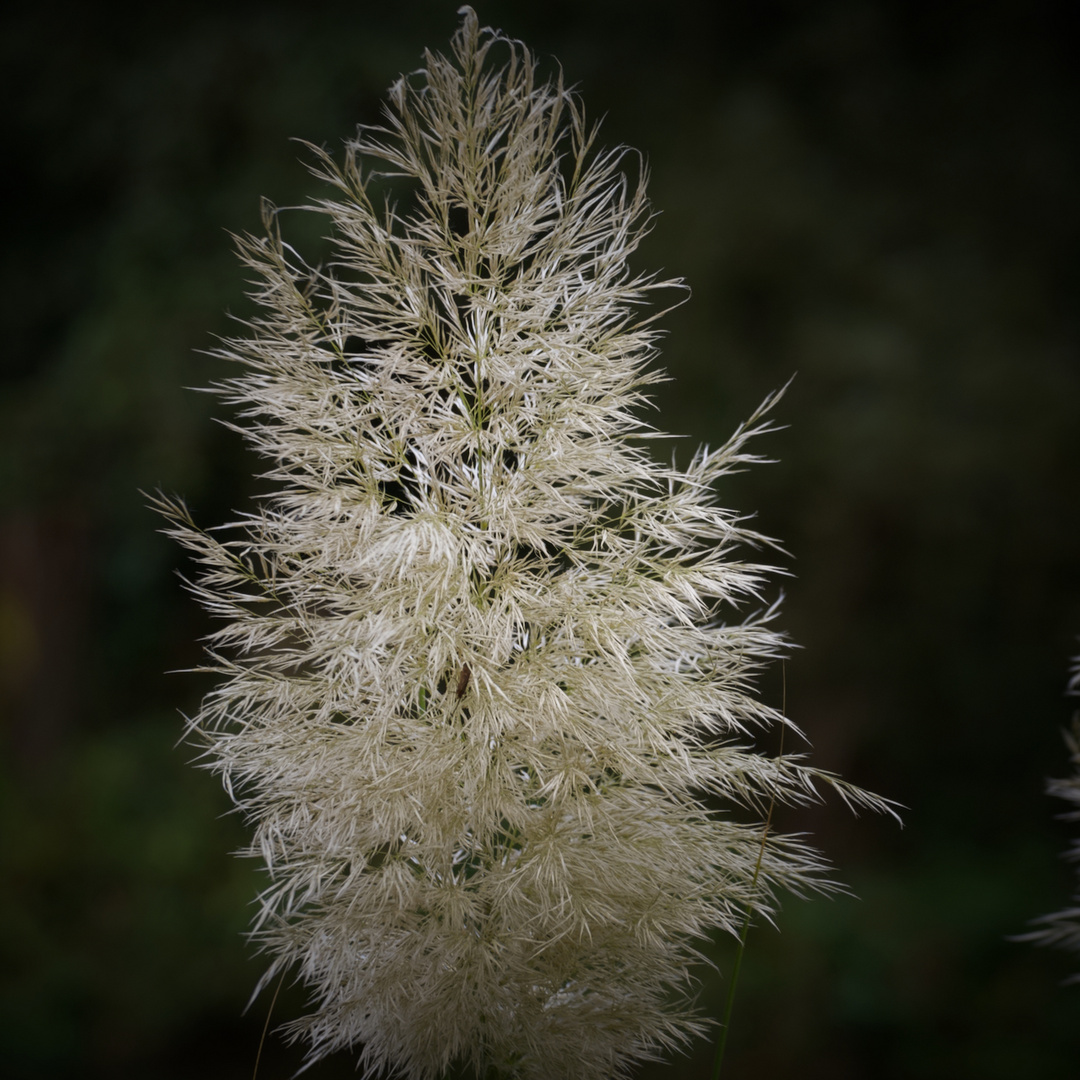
[480, 688]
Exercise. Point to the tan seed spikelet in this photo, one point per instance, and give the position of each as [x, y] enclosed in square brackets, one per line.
[477, 674]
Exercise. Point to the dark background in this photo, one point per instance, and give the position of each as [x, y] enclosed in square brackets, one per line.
[879, 197]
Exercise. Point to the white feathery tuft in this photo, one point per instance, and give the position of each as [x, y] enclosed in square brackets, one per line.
[481, 683]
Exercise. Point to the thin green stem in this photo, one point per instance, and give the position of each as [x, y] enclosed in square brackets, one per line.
[266, 1026]
[725, 1023]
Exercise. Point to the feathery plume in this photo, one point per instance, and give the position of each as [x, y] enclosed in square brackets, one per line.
[1063, 928]
[479, 692]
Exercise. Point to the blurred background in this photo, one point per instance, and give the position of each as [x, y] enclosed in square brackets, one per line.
[876, 197]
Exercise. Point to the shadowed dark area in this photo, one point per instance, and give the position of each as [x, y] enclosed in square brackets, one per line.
[878, 197]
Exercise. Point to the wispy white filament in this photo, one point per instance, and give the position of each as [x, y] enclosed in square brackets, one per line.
[1063, 927]
[483, 685]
